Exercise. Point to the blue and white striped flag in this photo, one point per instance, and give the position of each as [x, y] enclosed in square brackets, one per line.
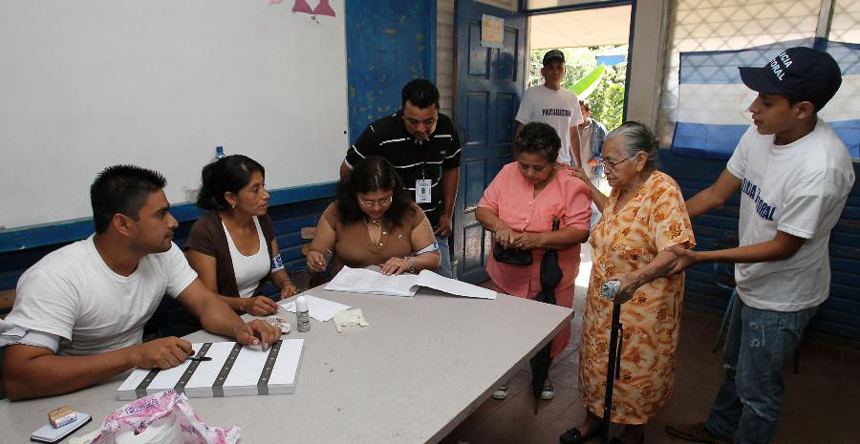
[713, 101]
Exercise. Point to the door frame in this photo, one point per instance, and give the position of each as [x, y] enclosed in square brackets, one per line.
[594, 5]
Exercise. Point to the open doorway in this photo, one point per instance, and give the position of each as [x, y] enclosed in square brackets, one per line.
[595, 44]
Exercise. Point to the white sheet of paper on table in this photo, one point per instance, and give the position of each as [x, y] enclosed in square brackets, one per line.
[320, 309]
[361, 280]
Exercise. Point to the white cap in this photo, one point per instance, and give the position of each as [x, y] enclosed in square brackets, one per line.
[301, 303]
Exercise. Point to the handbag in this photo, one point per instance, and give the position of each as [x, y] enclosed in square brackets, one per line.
[516, 256]
[511, 256]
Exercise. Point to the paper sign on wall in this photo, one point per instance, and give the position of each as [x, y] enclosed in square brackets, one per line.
[492, 31]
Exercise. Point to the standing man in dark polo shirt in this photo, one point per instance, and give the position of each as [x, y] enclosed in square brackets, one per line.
[424, 147]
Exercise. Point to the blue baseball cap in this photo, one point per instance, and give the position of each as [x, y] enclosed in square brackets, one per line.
[803, 74]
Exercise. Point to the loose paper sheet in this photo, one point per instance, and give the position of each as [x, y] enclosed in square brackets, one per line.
[320, 309]
[360, 280]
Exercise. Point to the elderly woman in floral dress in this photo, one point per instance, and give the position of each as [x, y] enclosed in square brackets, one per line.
[643, 216]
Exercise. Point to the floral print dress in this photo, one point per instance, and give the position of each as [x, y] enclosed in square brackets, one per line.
[625, 241]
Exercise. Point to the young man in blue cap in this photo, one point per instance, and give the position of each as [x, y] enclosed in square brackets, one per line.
[794, 174]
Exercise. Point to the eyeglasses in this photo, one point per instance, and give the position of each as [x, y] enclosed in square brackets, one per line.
[612, 165]
[382, 202]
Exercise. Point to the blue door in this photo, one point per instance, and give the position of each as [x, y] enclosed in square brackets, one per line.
[489, 84]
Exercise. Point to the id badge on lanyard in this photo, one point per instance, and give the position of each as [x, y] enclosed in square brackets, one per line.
[422, 190]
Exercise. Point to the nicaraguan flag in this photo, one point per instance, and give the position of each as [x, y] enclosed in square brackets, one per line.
[713, 101]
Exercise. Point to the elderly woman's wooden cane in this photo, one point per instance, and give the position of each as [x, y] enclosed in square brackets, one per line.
[613, 365]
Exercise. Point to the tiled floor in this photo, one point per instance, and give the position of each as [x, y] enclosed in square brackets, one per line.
[820, 404]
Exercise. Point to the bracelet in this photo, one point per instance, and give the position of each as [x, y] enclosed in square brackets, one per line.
[409, 258]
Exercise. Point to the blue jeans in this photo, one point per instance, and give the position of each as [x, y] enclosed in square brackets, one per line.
[445, 251]
[758, 345]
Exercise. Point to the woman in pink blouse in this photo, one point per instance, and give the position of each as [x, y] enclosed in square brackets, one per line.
[519, 206]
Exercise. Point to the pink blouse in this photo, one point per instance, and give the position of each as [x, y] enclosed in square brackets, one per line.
[510, 196]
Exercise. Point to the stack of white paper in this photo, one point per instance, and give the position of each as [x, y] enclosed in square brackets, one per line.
[359, 280]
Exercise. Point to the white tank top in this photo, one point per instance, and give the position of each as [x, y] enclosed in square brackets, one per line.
[249, 270]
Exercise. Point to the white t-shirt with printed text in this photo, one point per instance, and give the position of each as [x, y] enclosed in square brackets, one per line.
[560, 109]
[73, 294]
[799, 189]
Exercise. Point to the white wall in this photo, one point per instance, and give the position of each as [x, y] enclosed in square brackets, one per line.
[646, 64]
[91, 83]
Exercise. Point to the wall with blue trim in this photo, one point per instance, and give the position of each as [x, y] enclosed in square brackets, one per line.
[389, 42]
[292, 210]
[838, 318]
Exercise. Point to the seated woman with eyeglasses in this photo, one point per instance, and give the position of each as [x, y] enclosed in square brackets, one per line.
[373, 222]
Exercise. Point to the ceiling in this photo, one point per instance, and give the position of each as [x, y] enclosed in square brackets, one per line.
[573, 29]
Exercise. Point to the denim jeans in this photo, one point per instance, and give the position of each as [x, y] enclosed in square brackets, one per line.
[445, 251]
[758, 345]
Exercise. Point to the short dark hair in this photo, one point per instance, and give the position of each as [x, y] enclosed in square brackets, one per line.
[538, 138]
[228, 174]
[585, 105]
[421, 93]
[374, 173]
[792, 100]
[122, 189]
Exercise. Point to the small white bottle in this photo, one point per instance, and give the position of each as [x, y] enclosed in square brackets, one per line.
[303, 318]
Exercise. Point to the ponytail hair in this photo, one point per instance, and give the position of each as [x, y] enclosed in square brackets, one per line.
[229, 174]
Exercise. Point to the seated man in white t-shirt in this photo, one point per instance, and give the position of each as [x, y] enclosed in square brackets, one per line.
[794, 174]
[556, 106]
[84, 305]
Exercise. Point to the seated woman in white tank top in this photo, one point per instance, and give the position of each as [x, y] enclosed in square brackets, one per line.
[233, 246]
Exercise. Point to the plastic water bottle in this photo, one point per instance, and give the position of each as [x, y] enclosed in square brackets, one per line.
[219, 153]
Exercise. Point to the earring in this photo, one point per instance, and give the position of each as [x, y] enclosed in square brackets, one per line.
[233, 205]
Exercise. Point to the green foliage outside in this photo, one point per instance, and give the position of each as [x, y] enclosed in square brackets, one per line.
[607, 100]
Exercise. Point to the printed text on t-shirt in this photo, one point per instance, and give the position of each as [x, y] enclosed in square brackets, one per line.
[764, 210]
[556, 112]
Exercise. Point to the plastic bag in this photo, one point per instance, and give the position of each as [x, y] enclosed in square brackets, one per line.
[165, 417]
